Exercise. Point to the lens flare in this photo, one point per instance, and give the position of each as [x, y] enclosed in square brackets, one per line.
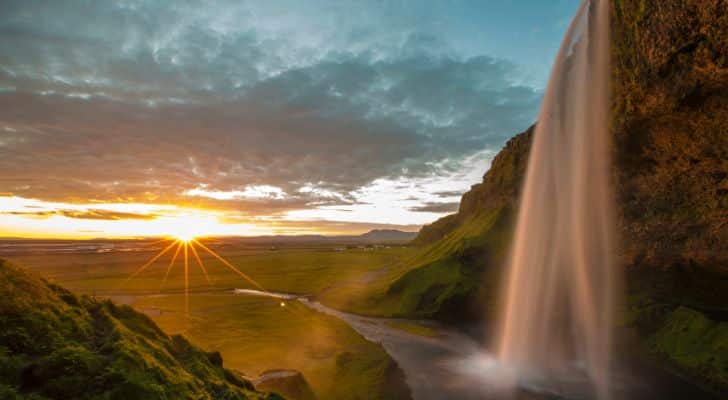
[187, 246]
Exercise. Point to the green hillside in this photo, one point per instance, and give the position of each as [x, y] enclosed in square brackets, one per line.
[56, 345]
[446, 277]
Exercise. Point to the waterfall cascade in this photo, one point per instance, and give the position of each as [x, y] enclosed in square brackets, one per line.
[558, 298]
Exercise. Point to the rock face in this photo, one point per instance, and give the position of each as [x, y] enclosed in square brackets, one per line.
[56, 345]
[289, 383]
[499, 188]
[456, 270]
[671, 156]
[670, 143]
[671, 130]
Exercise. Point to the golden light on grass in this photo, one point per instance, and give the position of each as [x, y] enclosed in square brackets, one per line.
[186, 243]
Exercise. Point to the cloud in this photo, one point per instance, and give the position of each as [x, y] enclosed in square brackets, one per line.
[83, 214]
[437, 207]
[449, 193]
[104, 215]
[215, 105]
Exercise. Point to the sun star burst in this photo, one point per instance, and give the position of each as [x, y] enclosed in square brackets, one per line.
[187, 242]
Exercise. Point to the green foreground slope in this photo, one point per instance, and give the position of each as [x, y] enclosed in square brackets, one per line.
[670, 144]
[56, 345]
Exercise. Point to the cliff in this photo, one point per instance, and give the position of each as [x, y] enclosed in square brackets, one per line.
[670, 151]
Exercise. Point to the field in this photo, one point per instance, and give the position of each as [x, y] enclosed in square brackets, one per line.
[254, 334]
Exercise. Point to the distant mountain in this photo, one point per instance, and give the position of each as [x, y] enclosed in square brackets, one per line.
[56, 345]
[387, 235]
[375, 236]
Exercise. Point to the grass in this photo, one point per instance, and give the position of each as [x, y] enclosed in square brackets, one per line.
[310, 270]
[54, 344]
[253, 334]
[441, 279]
[256, 334]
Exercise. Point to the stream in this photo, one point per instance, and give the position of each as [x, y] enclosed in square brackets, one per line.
[452, 365]
[448, 364]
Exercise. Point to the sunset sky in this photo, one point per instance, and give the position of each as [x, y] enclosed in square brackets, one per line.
[136, 118]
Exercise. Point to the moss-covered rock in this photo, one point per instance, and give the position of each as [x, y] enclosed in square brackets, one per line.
[56, 345]
[694, 343]
[290, 383]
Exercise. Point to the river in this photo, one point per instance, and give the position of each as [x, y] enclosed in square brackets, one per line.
[451, 365]
[447, 364]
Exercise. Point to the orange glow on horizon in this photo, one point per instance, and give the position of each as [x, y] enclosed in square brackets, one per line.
[39, 219]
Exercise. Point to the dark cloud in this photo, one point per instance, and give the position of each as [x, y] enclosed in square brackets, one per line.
[437, 207]
[137, 102]
[449, 193]
[85, 214]
[104, 215]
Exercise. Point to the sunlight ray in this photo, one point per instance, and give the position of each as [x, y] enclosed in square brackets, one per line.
[171, 265]
[147, 264]
[200, 263]
[163, 240]
[232, 267]
[187, 283]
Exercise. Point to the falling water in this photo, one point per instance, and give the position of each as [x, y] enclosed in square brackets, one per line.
[558, 300]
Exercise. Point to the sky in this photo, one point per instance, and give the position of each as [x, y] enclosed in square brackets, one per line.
[139, 118]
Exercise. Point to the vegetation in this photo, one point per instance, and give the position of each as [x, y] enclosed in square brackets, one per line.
[695, 343]
[56, 345]
[291, 269]
[453, 272]
[257, 334]
[254, 334]
[292, 384]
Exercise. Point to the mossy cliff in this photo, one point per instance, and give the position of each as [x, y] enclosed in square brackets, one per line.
[671, 156]
[56, 345]
[670, 146]
[455, 271]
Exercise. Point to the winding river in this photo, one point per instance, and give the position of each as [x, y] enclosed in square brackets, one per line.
[451, 365]
[447, 364]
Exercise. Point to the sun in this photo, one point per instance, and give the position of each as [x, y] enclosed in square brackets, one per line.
[187, 242]
[185, 236]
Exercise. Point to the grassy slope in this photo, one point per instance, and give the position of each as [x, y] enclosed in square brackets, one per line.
[452, 272]
[254, 334]
[54, 344]
[671, 168]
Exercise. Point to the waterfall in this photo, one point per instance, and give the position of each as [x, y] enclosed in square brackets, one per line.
[558, 297]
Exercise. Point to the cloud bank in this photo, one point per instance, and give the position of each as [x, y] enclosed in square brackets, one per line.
[246, 107]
